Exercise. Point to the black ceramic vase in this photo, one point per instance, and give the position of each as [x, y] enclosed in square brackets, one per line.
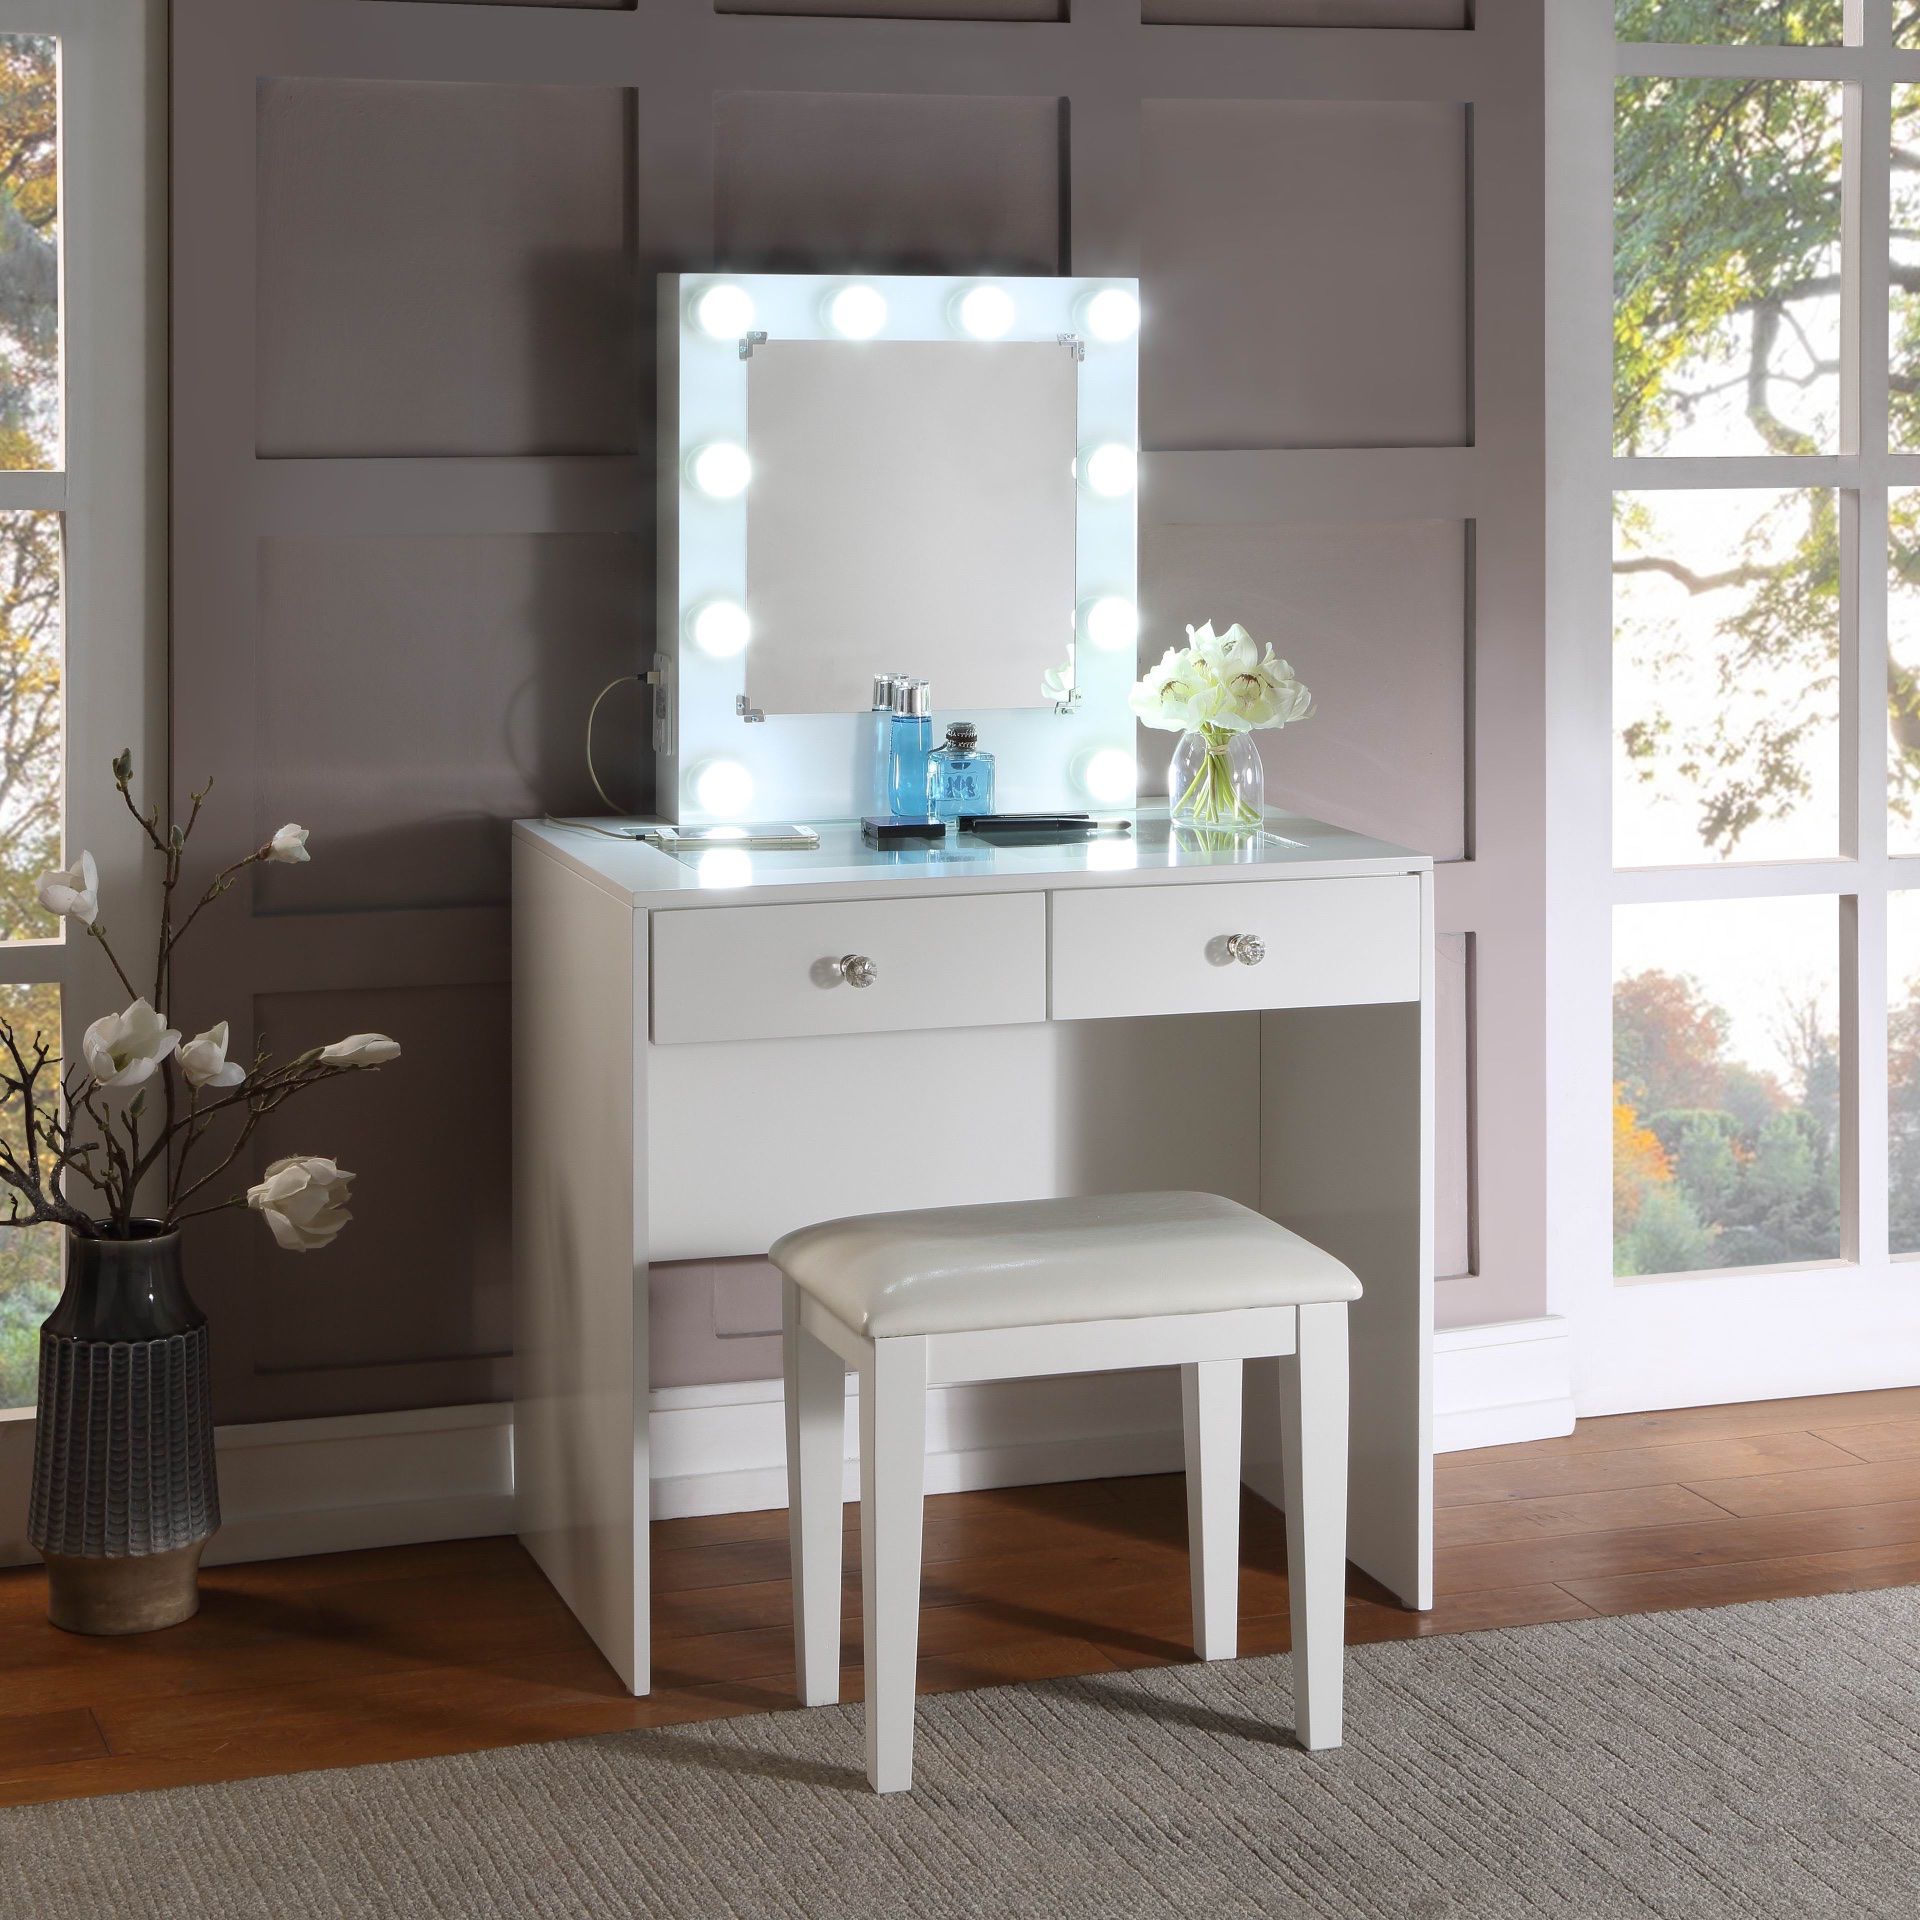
[124, 1496]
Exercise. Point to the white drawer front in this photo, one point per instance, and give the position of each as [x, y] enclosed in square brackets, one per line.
[1144, 950]
[765, 973]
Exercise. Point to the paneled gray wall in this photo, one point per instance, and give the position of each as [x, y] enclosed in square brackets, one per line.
[413, 253]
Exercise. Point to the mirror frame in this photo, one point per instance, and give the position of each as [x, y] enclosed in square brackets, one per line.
[807, 767]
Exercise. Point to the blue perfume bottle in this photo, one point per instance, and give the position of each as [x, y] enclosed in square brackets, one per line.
[877, 795]
[959, 775]
[912, 742]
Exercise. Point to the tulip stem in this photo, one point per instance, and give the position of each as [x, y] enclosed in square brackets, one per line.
[1209, 799]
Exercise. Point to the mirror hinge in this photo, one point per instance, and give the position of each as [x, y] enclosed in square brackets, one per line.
[659, 678]
[746, 710]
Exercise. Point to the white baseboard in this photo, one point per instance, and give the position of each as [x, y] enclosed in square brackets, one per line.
[446, 1473]
[328, 1486]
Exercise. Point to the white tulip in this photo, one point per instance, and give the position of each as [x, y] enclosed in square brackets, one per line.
[303, 1200]
[361, 1050]
[203, 1059]
[73, 890]
[289, 844]
[123, 1049]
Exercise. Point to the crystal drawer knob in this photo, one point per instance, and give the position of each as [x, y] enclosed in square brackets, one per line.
[857, 970]
[1248, 948]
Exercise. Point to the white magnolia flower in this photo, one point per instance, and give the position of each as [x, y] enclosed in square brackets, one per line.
[1220, 682]
[204, 1060]
[289, 844]
[1167, 693]
[303, 1200]
[1226, 653]
[361, 1050]
[123, 1049]
[1056, 684]
[74, 890]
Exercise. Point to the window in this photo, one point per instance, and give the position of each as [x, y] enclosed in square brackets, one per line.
[1765, 731]
[31, 652]
[82, 655]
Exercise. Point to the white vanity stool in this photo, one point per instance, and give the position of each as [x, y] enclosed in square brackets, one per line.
[1080, 1285]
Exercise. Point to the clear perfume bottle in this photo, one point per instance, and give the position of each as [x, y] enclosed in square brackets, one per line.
[912, 741]
[959, 775]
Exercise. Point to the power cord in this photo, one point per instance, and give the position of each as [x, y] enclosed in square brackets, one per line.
[639, 679]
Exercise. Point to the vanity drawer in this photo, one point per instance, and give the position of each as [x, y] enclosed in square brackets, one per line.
[768, 973]
[1142, 950]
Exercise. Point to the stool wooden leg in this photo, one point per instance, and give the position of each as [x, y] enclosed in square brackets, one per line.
[1210, 1404]
[1313, 1420]
[893, 1445]
[816, 1380]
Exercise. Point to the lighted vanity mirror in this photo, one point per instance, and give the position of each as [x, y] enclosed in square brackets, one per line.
[912, 505]
[932, 475]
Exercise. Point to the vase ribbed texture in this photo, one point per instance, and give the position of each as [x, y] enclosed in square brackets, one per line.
[123, 1445]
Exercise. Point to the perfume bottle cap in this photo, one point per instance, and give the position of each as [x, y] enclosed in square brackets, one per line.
[912, 699]
[962, 733]
[883, 690]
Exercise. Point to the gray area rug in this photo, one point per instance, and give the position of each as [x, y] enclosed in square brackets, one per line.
[1754, 1760]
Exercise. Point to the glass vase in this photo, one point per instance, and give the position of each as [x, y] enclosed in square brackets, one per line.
[1216, 780]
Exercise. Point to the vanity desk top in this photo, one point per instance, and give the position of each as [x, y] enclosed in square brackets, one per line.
[1151, 854]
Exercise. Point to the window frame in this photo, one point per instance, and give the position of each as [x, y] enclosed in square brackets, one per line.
[110, 487]
[1650, 1340]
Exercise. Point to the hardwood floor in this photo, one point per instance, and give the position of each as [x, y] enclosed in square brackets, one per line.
[348, 1658]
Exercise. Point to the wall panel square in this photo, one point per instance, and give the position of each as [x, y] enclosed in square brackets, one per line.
[1305, 271]
[906, 9]
[423, 1271]
[1374, 619]
[445, 269]
[907, 183]
[414, 696]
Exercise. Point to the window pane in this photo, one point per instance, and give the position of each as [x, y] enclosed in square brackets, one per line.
[1903, 292]
[1726, 1101]
[1903, 670]
[29, 252]
[1906, 23]
[1726, 267]
[1800, 23]
[30, 717]
[1726, 677]
[29, 1256]
[1903, 1071]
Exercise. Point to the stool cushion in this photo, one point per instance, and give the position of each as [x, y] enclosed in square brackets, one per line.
[1026, 1263]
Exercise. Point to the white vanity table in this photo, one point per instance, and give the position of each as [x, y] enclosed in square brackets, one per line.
[933, 476]
[694, 1074]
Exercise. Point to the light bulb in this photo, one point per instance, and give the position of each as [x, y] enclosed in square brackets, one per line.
[986, 312]
[1109, 470]
[858, 312]
[721, 469]
[1112, 314]
[723, 787]
[724, 311]
[1109, 775]
[721, 628]
[1113, 624]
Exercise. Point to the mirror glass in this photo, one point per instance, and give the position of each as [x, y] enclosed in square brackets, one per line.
[912, 510]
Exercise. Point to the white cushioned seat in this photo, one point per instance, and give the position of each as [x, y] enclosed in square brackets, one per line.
[1024, 1263]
